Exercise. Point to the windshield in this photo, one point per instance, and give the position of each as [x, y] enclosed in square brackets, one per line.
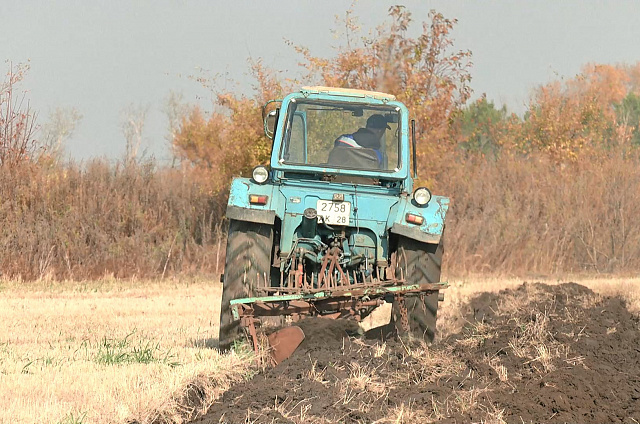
[341, 135]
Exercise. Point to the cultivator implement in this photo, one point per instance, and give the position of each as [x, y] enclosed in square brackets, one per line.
[341, 301]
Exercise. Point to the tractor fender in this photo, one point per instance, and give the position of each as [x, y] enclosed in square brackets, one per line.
[251, 215]
[239, 207]
[434, 216]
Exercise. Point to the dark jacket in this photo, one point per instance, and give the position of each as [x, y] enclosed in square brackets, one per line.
[363, 139]
[349, 157]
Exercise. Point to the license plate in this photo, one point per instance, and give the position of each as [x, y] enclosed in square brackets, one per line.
[334, 213]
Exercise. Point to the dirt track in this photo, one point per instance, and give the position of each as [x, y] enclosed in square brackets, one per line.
[536, 354]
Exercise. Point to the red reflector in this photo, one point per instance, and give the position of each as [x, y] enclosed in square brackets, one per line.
[256, 199]
[414, 219]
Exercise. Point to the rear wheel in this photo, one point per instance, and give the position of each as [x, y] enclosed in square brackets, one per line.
[249, 247]
[420, 264]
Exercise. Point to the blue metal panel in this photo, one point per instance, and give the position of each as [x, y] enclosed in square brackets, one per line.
[370, 208]
[434, 215]
[241, 188]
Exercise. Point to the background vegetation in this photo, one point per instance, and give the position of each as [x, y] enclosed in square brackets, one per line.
[553, 191]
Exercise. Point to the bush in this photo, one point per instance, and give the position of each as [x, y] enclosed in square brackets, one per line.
[530, 215]
[102, 219]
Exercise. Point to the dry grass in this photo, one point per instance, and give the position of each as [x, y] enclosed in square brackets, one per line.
[99, 219]
[110, 352]
[522, 216]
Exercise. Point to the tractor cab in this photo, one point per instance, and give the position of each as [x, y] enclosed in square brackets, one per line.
[328, 132]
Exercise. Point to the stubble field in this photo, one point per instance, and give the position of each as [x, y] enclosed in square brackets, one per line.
[144, 352]
[110, 351]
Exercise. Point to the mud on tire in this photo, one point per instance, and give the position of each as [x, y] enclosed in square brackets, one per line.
[249, 248]
[420, 263]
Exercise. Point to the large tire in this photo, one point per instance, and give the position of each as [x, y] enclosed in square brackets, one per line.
[249, 247]
[420, 263]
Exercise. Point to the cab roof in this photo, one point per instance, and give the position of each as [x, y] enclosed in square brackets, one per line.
[348, 92]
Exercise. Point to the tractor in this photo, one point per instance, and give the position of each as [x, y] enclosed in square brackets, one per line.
[333, 226]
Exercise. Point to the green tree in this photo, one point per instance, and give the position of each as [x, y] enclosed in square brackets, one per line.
[628, 115]
[481, 126]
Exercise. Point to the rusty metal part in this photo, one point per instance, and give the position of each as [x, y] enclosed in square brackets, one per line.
[249, 322]
[404, 313]
[284, 342]
[331, 274]
[336, 290]
[345, 306]
[333, 295]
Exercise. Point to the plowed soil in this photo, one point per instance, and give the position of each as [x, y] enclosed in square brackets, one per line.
[539, 353]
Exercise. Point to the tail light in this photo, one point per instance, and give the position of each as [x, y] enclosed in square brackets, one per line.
[414, 219]
[258, 199]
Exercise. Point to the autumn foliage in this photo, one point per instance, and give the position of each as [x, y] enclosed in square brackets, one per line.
[425, 73]
[229, 141]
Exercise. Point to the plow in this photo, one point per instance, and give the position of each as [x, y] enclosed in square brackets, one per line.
[349, 301]
[333, 227]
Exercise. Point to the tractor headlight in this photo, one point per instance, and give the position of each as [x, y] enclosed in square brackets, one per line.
[422, 196]
[260, 174]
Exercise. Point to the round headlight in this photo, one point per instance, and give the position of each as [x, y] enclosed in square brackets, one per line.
[422, 196]
[260, 174]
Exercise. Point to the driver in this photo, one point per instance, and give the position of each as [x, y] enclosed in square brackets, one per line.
[367, 140]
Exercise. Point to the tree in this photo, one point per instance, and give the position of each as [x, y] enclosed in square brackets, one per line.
[423, 72]
[133, 120]
[229, 141]
[176, 110]
[17, 120]
[568, 118]
[59, 128]
[482, 126]
[628, 117]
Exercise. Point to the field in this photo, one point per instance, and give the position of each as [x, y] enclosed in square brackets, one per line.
[110, 351]
[116, 352]
[103, 318]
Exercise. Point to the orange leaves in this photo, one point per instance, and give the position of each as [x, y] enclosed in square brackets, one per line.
[566, 119]
[230, 141]
[425, 72]
[609, 83]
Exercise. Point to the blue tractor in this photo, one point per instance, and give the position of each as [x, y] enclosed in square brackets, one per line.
[334, 226]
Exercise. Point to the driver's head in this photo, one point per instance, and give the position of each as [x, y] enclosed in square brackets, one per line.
[378, 124]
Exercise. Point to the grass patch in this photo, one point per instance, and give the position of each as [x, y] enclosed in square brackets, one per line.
[73, 419]
[113, 351]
